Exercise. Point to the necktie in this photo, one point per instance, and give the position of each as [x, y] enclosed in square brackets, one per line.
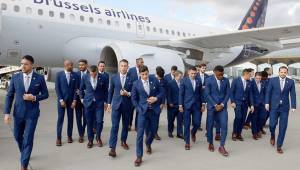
[259, 87]
[193, 84]
[94, 83]
[218, 82]
[68, 78]
[146, 86]
[282, 84]
[27, 83]
[123, 81]
[202, 79]
[178, 83]
[82, 73]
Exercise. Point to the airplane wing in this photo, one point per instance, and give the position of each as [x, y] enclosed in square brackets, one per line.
[271, 38]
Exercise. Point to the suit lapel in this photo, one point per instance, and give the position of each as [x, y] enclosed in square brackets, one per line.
[32, 82]
[142, 87]
[22, 81]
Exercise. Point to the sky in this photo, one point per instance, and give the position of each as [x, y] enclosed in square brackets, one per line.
[226, 14]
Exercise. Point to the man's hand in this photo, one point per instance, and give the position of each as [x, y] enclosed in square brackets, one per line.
[62, 104]
[252, 109]
[267, 107]
[108, 109]
[7, 119]
[152, 100]
[233, 105]
[181, 109]
[28, 97]
[73, 104]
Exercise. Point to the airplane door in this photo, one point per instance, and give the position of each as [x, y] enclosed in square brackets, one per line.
[140, 30]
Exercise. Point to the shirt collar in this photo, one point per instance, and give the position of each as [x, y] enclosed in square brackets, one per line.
[30, 74]
[282, 78]
[84, 72]
[67, 72]
[121, 75]
[145, 80]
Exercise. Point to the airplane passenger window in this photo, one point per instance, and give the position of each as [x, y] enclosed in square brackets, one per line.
[108, 22]
[184, 35]
[91, 19]
[82, 18]
[51, 14]
[28, 10]
[189, 34]
[194, 35]
[178, 33]
[140, 27]
[100, 21]
[117, 23]
[3, 7]
[40, 12]
[161, 30]
[148, 28]
[72, 17]
[128, 25]
[17, 8]
[173, 32]
[62, 15]
[167, 31]
[154, 29]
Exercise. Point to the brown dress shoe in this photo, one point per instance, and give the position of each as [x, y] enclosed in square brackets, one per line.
[234, 136]
[255, 137]
[112, 153]
[99, 142]
[156, 137]
[240, 138]
[125, 146]
[90, 144]
[218, 137]
[279, 150]
[211, 147]
[187, 147]
[272, 140]
[80, 140]
[23, 168]
[58, 142]
[148, 150]
[223, 151]
[193, 137]
[70, 140]
[138, 162]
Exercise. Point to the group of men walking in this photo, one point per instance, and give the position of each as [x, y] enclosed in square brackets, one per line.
[90, 92]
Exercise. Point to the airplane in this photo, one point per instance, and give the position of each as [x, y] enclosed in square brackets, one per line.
[55, 30]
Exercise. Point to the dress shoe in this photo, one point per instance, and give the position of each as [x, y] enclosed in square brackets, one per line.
[218, 137]
[58, 142]
[193, 137]
[99, 142]
[255, 137]
[125, 146]
[259, 135]
[211, 147]
[187, 147]
[263, 132]
[23, 168]
[138, 162]
[148, 150]
[94, 130]
[112, 153]
[234, 136]
[81, 140]
[156, 137]
[247, 126]
[279, 150]
[240, 138]
[90, 144]
[170, 135]
[70, 140]
[180, 136]
[272, 140]
[223, 151]
[129, 128]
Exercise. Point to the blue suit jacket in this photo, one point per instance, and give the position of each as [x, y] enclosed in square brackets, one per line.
[164, 84]
[187, 95]
[88, 94]
[133, 74]
[274, 94]
[214, 95]
[199, 78]
[173, 93]
[139, 96]
[114, 96]
[258, 97]
[168, 77]
[79, 80]
[16, 90]
[238, 95]
[65, 91]
[106, 76]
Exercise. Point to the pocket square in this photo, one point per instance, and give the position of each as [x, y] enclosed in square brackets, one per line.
[37, 85]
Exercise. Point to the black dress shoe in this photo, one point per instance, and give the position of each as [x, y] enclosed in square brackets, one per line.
[23, 168]
[180, 136]
[170, 135]
[112, 153]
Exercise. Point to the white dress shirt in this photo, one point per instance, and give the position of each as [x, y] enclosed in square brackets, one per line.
[146, 86]
[218, 82]
[193, 81]
[27, 80]
[123, 79]
[68, 76]
[282, 83]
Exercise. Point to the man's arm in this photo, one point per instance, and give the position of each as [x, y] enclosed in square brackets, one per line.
[134, 95]
[227, 96]
[44, 94]
[111, 91]
[57, 88]
[10, 96]
[293, 96]
[208, 93]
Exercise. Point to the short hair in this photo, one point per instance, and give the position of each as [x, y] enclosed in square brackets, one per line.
[202, 65]
[174, 68]
[93, 68]
[267, 69]
[247, 70]
[219, 68]
[143, 69]
[83, 61]
[138, 59]
[264, 74]
[193, 68]
[101, 62]
[124, 61]
[283, 67]
[178, 72]
[160, 71]
[251, 69]
[258, 74]
[29, 58]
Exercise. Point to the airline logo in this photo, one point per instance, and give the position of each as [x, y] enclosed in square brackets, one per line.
[89, 8]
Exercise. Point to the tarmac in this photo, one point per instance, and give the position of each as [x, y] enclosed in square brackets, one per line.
[168, 154]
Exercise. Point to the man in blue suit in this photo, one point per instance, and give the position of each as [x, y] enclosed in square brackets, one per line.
[190, 103]
[279, 92]
[66, 87]
[217, 95]
[265, 79]
[120, 102]
[93, 95]
[241, 99]
[79, 109]
[134, 74]
[171, 76]
[249, 116]
[173, 96]
[259, 115]
[27, 88]
[146, 95]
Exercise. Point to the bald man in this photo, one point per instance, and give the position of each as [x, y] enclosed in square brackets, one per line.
[66, 86]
